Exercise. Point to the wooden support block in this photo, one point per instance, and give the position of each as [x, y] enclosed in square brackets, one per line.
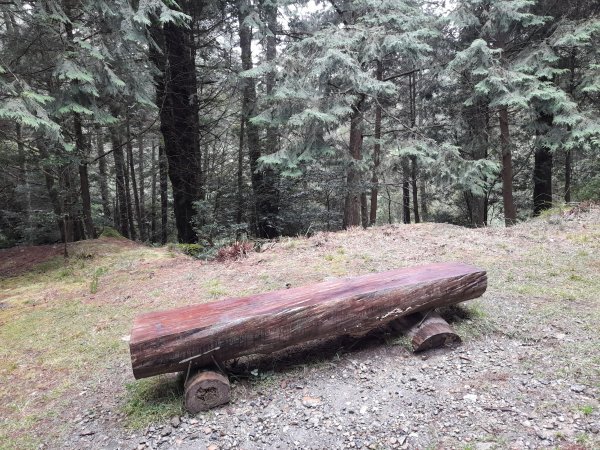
[426, 330]
[205, 390]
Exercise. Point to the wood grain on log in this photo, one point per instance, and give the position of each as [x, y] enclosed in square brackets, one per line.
[196, 336]
[426, 330]
[205, 390]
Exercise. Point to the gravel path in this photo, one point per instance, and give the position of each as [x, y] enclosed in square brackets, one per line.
[472, 396]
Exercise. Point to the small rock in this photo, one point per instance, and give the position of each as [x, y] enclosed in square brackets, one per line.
[175, 422]
[484, 445]
[311, 402]
[470, 397]
[212, 447]
[578, 388]
[167, 431]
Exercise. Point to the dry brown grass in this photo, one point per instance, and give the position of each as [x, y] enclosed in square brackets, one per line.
[62, 323]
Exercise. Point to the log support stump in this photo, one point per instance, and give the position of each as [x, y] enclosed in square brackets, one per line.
[426, 330]
[205, 390]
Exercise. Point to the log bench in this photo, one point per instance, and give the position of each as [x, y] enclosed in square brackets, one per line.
[190, 338]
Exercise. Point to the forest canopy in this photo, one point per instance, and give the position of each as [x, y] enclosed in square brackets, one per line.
[213, 121]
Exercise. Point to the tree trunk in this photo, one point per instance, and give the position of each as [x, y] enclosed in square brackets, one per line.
[239, 214]
[568, 172]
[54, 199]
[364, 210]
[84, 180]
[75, 230]
[195, 336]
[415, 196]
[102, 175]
[424, 210]
[352, 210]
[164, 212]
[569, 153]
[23, 180]
[153, 196]
[389, 199]
[376, 152]
[265, 200]
[476, 146]
[405, 190]
[129, 202]
[179, 119]
[116, 210]
[136, 198]
[412, 85]
[269, 222]
[510, 213]
[542, 171]
[72, 197]
[121, 216]
[142, 200]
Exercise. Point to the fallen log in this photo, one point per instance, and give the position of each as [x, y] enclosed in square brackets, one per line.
[426, 330]
[191, 337]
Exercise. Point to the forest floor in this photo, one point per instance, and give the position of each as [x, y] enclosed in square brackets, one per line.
[526, 375]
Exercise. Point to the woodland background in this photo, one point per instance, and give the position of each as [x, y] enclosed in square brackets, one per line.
[205, 122]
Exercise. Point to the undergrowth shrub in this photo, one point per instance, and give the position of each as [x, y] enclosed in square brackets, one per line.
[194, 250]
[110, 232]
[235, 251]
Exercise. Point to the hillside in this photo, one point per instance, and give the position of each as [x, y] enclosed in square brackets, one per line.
[525, 376]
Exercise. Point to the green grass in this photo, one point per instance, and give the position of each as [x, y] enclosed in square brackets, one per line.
[470, 320]
[56, 342]
[586, 410]
[152, 400]
[214, 288]
[109, 232]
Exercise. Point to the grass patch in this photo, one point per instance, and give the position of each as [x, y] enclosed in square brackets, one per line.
[586, 410]
[470, 320]
[214, 288]
[109, 232]
[55, 341]
[153, 400]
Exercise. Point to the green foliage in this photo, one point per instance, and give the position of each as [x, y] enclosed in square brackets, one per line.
[109, 232]
[213, 226]
[589, 191]
[195, 250]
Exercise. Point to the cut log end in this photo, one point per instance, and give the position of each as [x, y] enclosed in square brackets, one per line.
[433, 339]
[206, 390]
[427, 331]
